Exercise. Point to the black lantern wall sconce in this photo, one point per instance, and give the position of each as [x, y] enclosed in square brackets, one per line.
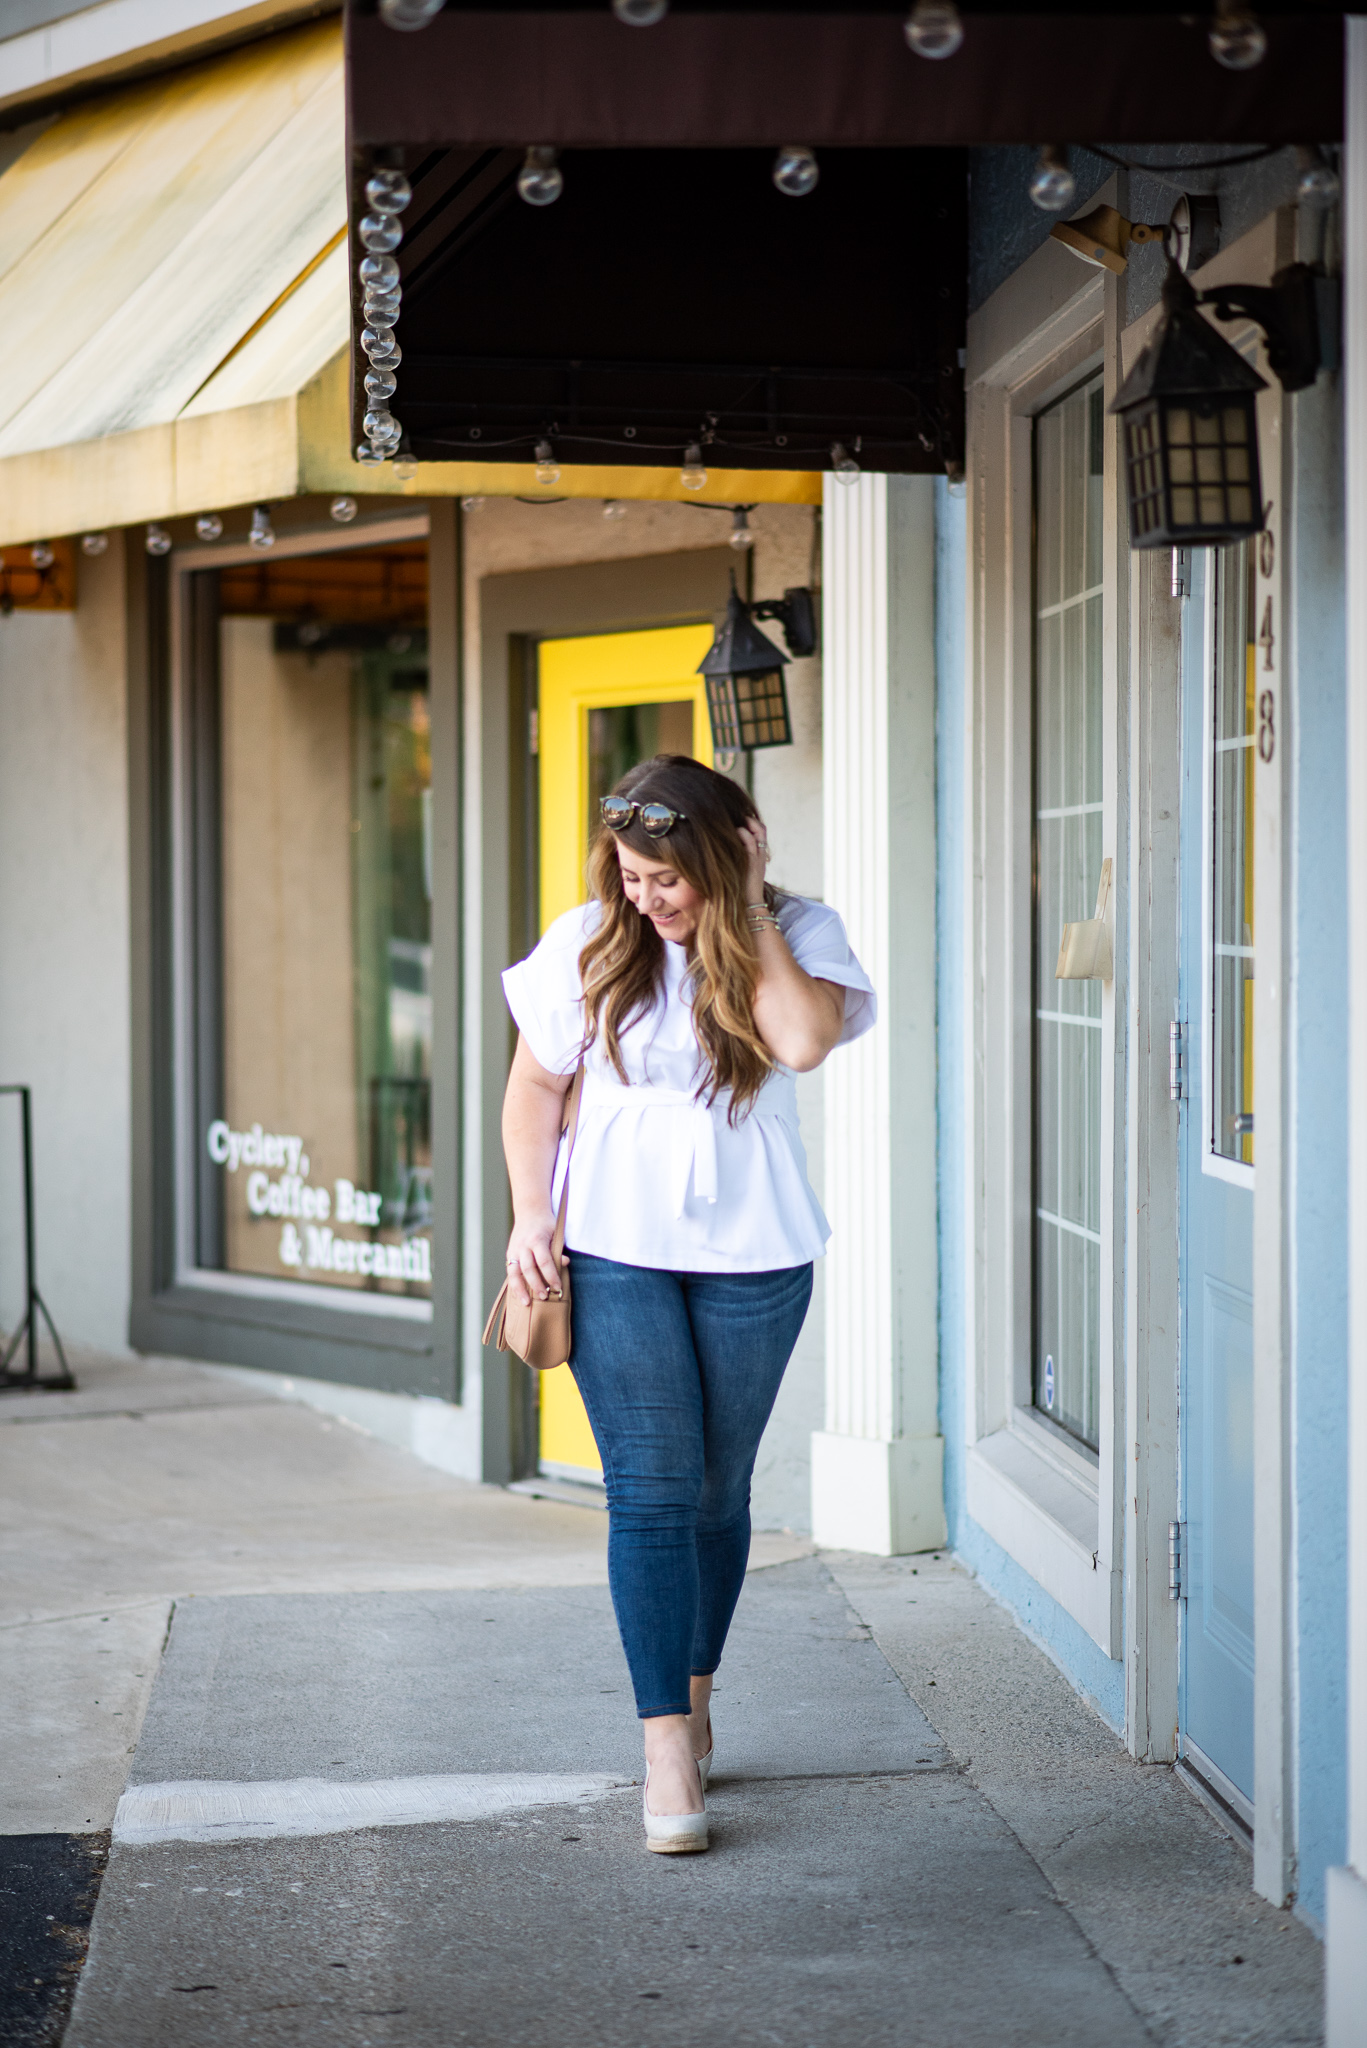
[1188, 409]
[747, 700]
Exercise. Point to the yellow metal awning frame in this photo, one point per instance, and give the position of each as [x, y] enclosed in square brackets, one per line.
[287, 447]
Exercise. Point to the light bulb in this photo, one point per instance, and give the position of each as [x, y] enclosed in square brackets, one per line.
[381, 309]
[262, 534]
[368, 457]
[540, 181]
[378, 271]
[1318, 183]
[343, 510]
[41, 555]
[693, 475]
[547, 468]
[209, 526]
[843, 463]
[158, 541]
[380, 383]
[94, 543]
[405, 465]
[1238, 39]
[640, 13]
[382, 430]
[387, 191]
[380, 233]
[1052, 185]
[472, 503]
[613, 508]
[409, 14]
[933, 28]
[740, 535]
[796, 171]
[380, 345]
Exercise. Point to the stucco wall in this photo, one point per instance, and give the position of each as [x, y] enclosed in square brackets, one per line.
[64, 991]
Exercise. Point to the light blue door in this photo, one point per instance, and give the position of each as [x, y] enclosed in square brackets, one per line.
[1216, 1167]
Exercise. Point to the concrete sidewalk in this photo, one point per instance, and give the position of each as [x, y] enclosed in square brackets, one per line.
[922, 1835]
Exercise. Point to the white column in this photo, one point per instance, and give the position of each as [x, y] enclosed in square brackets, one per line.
[1346, 1959]
[877, 1465]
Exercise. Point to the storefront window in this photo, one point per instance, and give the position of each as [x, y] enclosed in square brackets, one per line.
[1067, 866]
[312, 918]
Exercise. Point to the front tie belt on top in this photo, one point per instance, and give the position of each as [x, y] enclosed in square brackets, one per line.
[687, 1135]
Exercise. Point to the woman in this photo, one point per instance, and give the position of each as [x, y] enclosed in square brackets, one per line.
[693, 992]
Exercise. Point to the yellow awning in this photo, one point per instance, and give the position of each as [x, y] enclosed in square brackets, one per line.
[174, 299]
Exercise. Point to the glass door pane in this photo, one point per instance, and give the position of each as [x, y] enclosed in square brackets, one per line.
[1231, 924]
[1066, 868]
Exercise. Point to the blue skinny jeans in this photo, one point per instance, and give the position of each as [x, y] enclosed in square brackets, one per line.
[679, 1373]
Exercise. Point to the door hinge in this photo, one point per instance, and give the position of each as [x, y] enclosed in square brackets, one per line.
[1177, 1062]
[1181, 572]
[1177, 1544]
[534, 730]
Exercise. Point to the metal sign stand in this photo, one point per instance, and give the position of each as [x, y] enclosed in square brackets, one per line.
[28, 1380]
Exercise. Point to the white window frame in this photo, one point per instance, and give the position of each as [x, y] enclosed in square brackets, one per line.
[1214, 1163]
[1051, 1505]
[185, 561]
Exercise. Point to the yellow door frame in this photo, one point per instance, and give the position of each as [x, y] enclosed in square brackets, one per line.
[595, 672]
[598, 672]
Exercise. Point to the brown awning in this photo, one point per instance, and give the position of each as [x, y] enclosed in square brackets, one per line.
[671, 295]
[738, 76]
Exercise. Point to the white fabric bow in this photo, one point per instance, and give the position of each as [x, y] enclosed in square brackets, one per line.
[691, 1139]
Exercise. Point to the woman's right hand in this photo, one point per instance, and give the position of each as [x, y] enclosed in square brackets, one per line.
[532, 1274]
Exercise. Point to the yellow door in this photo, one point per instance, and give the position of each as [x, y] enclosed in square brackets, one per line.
[606, 701]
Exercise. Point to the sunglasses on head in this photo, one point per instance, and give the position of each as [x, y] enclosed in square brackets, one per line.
[656, 819]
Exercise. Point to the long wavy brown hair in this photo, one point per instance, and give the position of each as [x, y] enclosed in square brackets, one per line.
[622, 966]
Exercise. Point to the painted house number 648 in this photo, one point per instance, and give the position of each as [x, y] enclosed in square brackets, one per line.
[1267, 703]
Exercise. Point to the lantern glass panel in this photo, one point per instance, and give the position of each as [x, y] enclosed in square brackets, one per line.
[749, 711]
[1192, 466]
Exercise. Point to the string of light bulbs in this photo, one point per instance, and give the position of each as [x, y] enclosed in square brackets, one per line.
[1053, 187]
[387, 193]
[934, 29]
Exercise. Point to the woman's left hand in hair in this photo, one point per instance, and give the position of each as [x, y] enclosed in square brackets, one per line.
[798, 1017]
[756, 842]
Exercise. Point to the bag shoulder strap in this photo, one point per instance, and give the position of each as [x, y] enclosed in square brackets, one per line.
[569, 1127]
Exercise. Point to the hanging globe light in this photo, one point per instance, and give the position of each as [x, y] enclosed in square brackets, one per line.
[387, 191]
[541, 180]
[934, 29]
[796, 171]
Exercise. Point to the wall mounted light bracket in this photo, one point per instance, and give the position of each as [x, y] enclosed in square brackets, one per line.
[1289, 312]
[796, 614]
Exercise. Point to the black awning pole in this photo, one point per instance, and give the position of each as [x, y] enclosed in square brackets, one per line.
[34, 1305]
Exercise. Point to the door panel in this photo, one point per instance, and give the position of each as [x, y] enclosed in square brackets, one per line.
[1216, 1154]
[605, 702]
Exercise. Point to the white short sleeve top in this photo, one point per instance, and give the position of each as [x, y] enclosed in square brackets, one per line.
[660, 1178]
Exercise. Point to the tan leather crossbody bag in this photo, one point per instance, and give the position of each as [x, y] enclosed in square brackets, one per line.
[539, 1331]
